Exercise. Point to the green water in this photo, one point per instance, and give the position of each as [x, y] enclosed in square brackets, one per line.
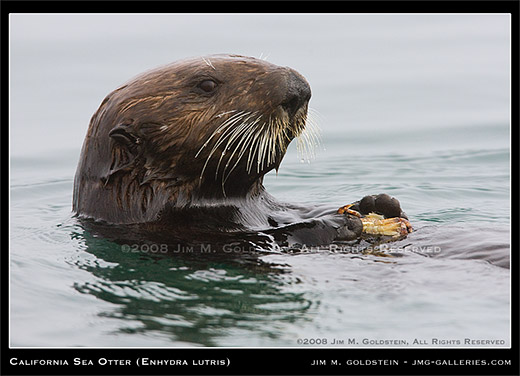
[103, 296]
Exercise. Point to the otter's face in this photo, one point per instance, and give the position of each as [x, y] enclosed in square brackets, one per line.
[253, 111]
[204, 127]
[218, 118]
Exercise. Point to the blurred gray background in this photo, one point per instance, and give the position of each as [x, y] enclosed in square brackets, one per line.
[369, 73]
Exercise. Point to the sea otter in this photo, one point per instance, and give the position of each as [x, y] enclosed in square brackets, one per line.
[186, 146]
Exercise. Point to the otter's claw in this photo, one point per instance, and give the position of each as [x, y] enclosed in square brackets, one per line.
[346, 209]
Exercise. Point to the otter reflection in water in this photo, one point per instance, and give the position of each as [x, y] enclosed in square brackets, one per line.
[178, 155]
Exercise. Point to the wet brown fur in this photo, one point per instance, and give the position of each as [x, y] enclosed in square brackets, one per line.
[140, 155]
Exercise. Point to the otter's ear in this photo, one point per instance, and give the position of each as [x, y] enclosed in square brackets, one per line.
[122, 134]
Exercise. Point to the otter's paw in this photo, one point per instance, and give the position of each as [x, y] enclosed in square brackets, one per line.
[382, 204]
[380, 215]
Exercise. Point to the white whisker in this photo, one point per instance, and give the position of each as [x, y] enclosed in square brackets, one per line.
[218, 130]
[253, 148]
[233, 136]
[309, 138]
[226, 130]
[246, 133]
[245, 142]
[208, 62]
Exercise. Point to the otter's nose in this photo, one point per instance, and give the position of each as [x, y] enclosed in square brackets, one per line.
[298, 92]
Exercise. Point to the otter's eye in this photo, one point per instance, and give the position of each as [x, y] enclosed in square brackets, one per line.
[208, 85]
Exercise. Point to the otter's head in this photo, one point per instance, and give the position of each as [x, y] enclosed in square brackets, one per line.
[203, 128]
